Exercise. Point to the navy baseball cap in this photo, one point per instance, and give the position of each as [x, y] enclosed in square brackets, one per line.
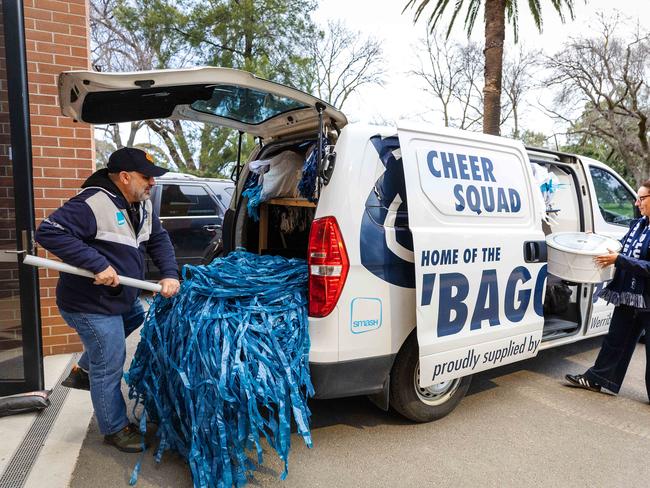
[132, 159]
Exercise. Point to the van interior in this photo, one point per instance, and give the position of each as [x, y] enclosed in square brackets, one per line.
[562, 314]
[282, 228]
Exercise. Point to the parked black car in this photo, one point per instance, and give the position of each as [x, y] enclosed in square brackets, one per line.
[191, 209]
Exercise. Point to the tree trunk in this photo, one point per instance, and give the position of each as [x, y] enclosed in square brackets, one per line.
[495, 31]
[163, 132]
[247, 30]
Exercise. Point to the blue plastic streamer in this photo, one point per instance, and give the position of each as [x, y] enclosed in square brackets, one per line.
[225, 364]
[254, 195]
[307, 184]
[143, 430]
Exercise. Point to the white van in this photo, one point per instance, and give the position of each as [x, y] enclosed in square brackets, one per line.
[426, 245]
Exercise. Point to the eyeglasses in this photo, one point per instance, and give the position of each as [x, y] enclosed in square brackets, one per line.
[641, 198]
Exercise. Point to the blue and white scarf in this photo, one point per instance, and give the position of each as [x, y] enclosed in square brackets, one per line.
[627, 288]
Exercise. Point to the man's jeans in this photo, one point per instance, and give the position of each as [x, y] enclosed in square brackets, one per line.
[104, 355]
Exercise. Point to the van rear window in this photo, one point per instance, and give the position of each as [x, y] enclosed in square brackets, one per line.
[245, 104]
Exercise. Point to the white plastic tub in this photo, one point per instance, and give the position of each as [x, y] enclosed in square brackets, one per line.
[571, 256]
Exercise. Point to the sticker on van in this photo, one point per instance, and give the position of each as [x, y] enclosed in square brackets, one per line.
[386, 243]
[365, 315]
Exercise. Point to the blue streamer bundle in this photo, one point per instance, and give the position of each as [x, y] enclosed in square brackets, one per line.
[253, 191]
[225, 362]
[307, 184]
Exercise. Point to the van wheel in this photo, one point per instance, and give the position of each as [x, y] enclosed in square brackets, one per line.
[421, 404]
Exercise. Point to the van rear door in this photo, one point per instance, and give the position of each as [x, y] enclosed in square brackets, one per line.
[479, 250]
[219, 96]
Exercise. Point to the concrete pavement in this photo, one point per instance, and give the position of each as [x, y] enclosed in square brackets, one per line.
[57, 457]
[519, 426]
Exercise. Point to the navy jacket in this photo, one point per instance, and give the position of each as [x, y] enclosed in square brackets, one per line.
[94, 230]
[638, 267]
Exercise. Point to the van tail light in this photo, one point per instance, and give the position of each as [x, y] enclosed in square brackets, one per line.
[328, 266]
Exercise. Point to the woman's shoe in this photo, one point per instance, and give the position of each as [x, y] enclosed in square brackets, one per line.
[580, 381]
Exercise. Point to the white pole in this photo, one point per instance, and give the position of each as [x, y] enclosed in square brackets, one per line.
[66, 268]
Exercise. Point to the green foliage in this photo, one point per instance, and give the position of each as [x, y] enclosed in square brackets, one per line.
[265, 37]
[533, 139]
[154, 23]
[104, 148]
[222, 164]
[586, 143]
[596, 148]
[474, 7]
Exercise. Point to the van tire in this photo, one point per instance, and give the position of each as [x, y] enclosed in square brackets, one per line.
[421, 404]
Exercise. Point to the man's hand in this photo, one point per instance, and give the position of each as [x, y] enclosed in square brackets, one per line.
[170, 287]
[107, 277]
[606, 259]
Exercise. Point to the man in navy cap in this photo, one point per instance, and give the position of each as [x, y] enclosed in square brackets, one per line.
[106, 229]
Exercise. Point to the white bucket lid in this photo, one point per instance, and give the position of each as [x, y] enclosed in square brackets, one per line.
[582, 243]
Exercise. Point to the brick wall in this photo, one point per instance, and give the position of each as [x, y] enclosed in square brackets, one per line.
[57, 40]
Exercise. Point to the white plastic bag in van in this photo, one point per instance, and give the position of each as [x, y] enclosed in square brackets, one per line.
[281, 180]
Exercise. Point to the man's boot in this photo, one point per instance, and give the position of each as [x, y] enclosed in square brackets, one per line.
[78, 379]
[129, 439]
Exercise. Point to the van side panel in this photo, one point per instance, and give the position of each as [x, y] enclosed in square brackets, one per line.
[373, 316]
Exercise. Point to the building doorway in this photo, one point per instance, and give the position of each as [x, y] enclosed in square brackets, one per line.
[21, 361]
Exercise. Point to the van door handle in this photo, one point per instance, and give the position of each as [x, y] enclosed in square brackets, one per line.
[535, 251]
[211, 228]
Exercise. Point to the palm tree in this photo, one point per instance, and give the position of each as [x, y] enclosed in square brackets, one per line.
[495, 33]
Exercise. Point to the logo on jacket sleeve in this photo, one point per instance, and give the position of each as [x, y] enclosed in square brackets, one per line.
[119, 216]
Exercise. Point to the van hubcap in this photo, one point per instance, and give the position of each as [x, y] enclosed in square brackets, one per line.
[435, 394]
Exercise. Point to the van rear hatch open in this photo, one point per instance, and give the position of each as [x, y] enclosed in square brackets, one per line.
[218, 96]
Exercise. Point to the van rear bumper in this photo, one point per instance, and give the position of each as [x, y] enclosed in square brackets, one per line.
[351, 378]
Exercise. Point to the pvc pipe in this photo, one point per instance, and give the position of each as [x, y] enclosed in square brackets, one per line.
[66, 268]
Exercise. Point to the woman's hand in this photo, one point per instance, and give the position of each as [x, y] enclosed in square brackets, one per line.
[606, 259]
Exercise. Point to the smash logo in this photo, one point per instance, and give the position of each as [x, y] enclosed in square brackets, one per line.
[386, 242]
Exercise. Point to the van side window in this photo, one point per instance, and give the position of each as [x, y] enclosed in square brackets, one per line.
[615, 201]
[186, 201]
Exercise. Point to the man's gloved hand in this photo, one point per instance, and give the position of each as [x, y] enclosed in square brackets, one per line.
[107, 277]
[170, 287]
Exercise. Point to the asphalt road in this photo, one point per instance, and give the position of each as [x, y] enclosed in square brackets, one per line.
[519, 426]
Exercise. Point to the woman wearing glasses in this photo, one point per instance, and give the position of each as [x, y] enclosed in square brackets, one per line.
[629, 291]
